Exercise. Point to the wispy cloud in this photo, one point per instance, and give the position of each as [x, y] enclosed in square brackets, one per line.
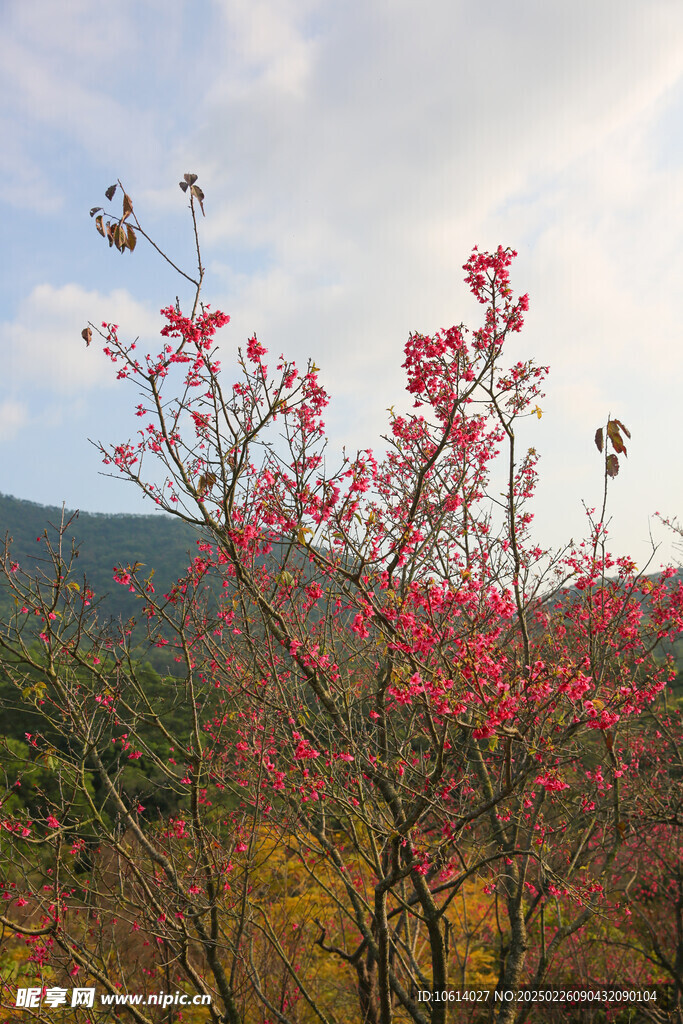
[43, 346]
[13, 416]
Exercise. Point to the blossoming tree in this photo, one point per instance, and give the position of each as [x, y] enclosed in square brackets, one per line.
[388, 695]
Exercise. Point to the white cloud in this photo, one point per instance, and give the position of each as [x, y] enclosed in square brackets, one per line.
[376, 181]
[420, 131]
[43, 344]
[13, 416]
[268, 39]
[85, 85]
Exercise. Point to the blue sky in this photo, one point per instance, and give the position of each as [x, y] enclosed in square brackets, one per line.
[351, 155]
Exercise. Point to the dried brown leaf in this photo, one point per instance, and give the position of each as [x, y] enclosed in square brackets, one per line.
[615, 437]
[199, 196]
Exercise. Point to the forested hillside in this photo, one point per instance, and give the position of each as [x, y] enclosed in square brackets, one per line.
[160, 543]
[103, 541]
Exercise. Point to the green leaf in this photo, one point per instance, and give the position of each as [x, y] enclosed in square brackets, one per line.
[37, 691]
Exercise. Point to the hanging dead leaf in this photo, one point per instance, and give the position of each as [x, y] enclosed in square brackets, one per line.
[199, 196]
[206, 482]
[86, 334]
[110, 192]
[612, 465]
[190, 178]
[615, 437]
[127, 206]
[132, 238]
[598, 439]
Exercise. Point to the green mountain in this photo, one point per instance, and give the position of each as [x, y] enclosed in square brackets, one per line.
[158, 541]
[103, 541]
